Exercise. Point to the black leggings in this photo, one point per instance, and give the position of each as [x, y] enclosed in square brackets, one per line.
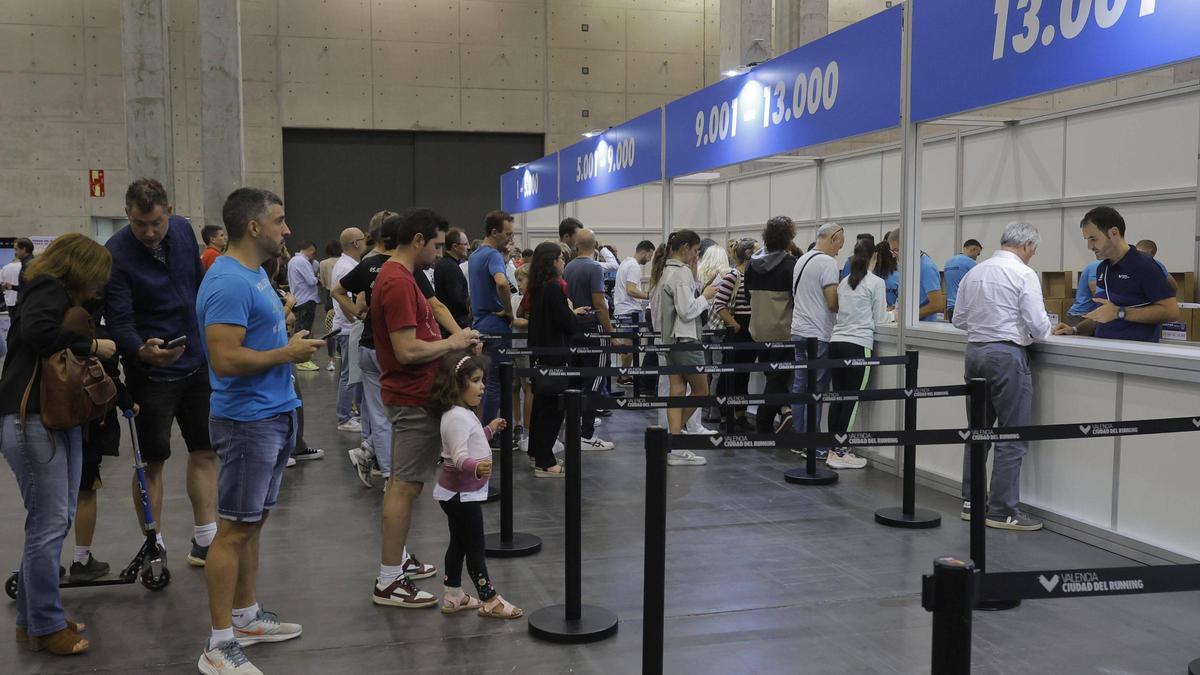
[740, 382]
[846, 379]
[466, 541]
[544, 422]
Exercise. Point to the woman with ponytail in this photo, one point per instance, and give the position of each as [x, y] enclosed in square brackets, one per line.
[862, 306]
[676, 309]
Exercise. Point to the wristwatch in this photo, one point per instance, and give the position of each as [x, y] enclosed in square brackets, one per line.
[1121, 313]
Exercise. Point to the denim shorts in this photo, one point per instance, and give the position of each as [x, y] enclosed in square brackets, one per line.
[253, 456]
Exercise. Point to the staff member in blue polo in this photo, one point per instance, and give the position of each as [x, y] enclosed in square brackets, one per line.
[1084, 304]
[931, 297]
[1136, 297]
[956, 268]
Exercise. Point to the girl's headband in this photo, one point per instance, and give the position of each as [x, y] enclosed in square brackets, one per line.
[461, 363]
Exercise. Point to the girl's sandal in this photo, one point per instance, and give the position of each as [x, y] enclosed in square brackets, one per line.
[455, 605]
[501, 609]
[65, 642]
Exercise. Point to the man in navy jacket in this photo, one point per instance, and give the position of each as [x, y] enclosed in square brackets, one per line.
[150, 311]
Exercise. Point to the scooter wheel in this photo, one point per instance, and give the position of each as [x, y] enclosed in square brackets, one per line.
[156, 583]
[10, 586]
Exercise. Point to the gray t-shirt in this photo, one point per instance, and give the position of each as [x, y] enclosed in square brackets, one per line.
[811, 317]
[584, 277]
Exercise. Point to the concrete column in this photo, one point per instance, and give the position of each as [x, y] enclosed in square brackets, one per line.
[146, 62]
[745, 32]
[798, 22]
[222, 140]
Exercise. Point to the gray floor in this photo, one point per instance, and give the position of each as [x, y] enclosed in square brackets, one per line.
[763, 577]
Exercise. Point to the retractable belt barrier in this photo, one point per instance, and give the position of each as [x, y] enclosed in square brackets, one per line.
[716, 369]
[602, 402]
[1048, 432]
[959, 587]
[576, 350]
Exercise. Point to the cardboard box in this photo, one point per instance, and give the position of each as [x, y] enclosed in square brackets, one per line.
[1058, 284]
[1057, 308]
[1187, 286]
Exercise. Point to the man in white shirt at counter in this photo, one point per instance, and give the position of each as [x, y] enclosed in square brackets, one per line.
[629, 300]
[1000, 307]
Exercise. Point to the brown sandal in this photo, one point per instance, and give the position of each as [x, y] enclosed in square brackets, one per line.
[65, 642]
[502, 609]
[22, 636]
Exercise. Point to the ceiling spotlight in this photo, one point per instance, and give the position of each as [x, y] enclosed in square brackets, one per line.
[592, 133]
[740, 70]
[522, 165]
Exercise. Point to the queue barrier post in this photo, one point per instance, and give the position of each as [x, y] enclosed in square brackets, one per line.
[908, 516]
[637, 381]
[506, 543]
[1194, 667]
[978, 401]
[950, 594]
[573, 622]
[658, 444]
[810, 474]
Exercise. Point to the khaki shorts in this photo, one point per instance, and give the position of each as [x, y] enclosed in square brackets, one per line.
[416, 444]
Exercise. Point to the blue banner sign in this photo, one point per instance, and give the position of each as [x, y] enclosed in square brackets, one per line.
[973, 53]
[621, 157]
[530, 187]
[845, 84]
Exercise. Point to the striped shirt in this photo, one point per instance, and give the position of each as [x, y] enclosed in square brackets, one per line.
[741, 304]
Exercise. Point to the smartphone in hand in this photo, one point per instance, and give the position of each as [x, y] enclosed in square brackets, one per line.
[177, 342]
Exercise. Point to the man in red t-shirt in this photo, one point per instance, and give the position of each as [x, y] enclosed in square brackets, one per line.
[408, 345]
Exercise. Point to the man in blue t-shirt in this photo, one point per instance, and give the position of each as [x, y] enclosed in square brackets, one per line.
[956, 268]
[932, 300]
[1150, 248]
[1084, 294]
[253, 418]
[491, 303]
[1133, 296]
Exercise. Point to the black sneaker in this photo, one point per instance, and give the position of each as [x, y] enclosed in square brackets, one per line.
[785, 424]
[199, 555]
[308, 453]
[91, 571]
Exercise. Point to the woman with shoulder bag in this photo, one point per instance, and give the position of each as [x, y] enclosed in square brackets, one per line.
[48, 462]
[551, 324]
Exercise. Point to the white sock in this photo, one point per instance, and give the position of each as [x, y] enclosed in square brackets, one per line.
[204, 534]
[82, 553]
[243, 617]
[220, 635]
[390, 573]
[158, 538]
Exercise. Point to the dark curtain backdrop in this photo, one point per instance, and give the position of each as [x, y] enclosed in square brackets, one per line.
[334, 179]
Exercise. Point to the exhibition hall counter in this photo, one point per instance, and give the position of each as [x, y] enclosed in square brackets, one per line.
[1136, 495]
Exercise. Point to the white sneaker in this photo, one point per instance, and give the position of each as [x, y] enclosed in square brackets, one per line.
[227, 658]
[291, 462]
[685, 458]
[595, 443]
[523, 445]
[846, 460]
[361, 461]
[701, 430]
[351, 425]
[332, 367]
[266, 627]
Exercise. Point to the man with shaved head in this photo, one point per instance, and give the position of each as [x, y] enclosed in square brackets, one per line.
[354, 243]
[585, 288]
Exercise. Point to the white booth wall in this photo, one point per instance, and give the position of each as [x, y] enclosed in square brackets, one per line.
[1133, 494]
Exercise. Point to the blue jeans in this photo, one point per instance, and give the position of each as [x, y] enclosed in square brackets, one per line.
[491, 325]
[48, 476]
[253, 456]
[375, 420]
[800, 385]
[346, 393]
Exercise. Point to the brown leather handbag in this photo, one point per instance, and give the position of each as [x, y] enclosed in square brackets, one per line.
[74, 390]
